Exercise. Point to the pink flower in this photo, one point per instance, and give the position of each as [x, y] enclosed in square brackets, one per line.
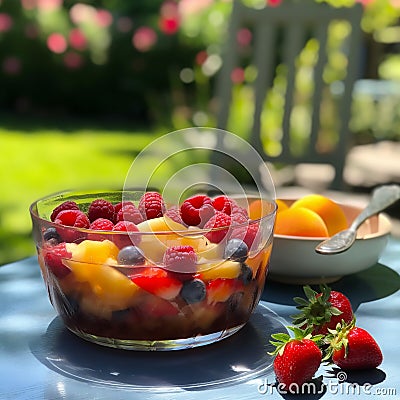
[169, 18]
[274, 3]
[365, 2]
[244, 37]
[237, 75]
[190, 7]
[6, 22]
[57, 43]
[169, 26]
[144, 38]
[201, 57]
[104, 18]
[49, 5]
[81, 13]
[77, 39]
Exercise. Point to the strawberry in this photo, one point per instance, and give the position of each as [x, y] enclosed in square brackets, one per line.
[220, 289]
[53, 257]
[352, 347]
[297, 359]
[157, 281]
[323, 310]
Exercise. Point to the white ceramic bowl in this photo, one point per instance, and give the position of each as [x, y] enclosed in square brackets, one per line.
[295, 261]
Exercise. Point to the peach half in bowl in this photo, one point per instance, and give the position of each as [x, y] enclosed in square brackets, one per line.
[294, 259]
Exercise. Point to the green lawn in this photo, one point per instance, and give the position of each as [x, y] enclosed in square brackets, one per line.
[38, 158]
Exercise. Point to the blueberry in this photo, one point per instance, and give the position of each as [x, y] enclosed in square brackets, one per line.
[130, 255]
[236, 250]
[246, 274]
[51, 234]
[193, 291]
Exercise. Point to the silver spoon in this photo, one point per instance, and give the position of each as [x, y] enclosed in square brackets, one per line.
[382, 198]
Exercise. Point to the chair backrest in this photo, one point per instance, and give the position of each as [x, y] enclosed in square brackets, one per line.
[287, 78]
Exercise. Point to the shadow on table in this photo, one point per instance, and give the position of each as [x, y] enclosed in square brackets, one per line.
[238, 358]
[372, 284]
[371, 376]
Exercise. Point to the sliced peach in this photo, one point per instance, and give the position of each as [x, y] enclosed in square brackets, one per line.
[224, 269]
[154, 245]
[91, 251]
[160, 224]
[332, 214]
[260, 260]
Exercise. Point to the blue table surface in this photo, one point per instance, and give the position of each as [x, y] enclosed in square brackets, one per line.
[40, 359]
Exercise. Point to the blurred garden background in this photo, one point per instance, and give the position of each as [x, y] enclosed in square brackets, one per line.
[85, 85]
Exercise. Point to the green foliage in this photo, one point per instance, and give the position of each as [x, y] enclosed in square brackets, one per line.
[38, 158]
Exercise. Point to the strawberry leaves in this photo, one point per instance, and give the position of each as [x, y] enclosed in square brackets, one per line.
[322, 310]
[352, 347]
[281, 339]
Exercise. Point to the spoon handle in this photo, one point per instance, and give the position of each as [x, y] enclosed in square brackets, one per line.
[382, 197]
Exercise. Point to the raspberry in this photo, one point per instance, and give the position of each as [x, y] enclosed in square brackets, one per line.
[67, 205]
[239, 218]
[124, 239]
[100, 224]
[236, 209]
[247, 233]
[130, 213]
[174, 213]
[181, 259]
[101, 208]
[151, 205]
[219, 220]
[53, 258]
[118, 206]
[223, 203]
[192, 207]
[75, 218]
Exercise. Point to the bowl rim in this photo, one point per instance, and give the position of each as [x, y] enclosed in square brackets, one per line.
[190, 231]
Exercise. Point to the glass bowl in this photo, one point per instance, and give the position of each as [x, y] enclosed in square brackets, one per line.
[130, 289]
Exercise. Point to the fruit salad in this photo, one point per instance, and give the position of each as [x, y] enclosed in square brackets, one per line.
[137, 272]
